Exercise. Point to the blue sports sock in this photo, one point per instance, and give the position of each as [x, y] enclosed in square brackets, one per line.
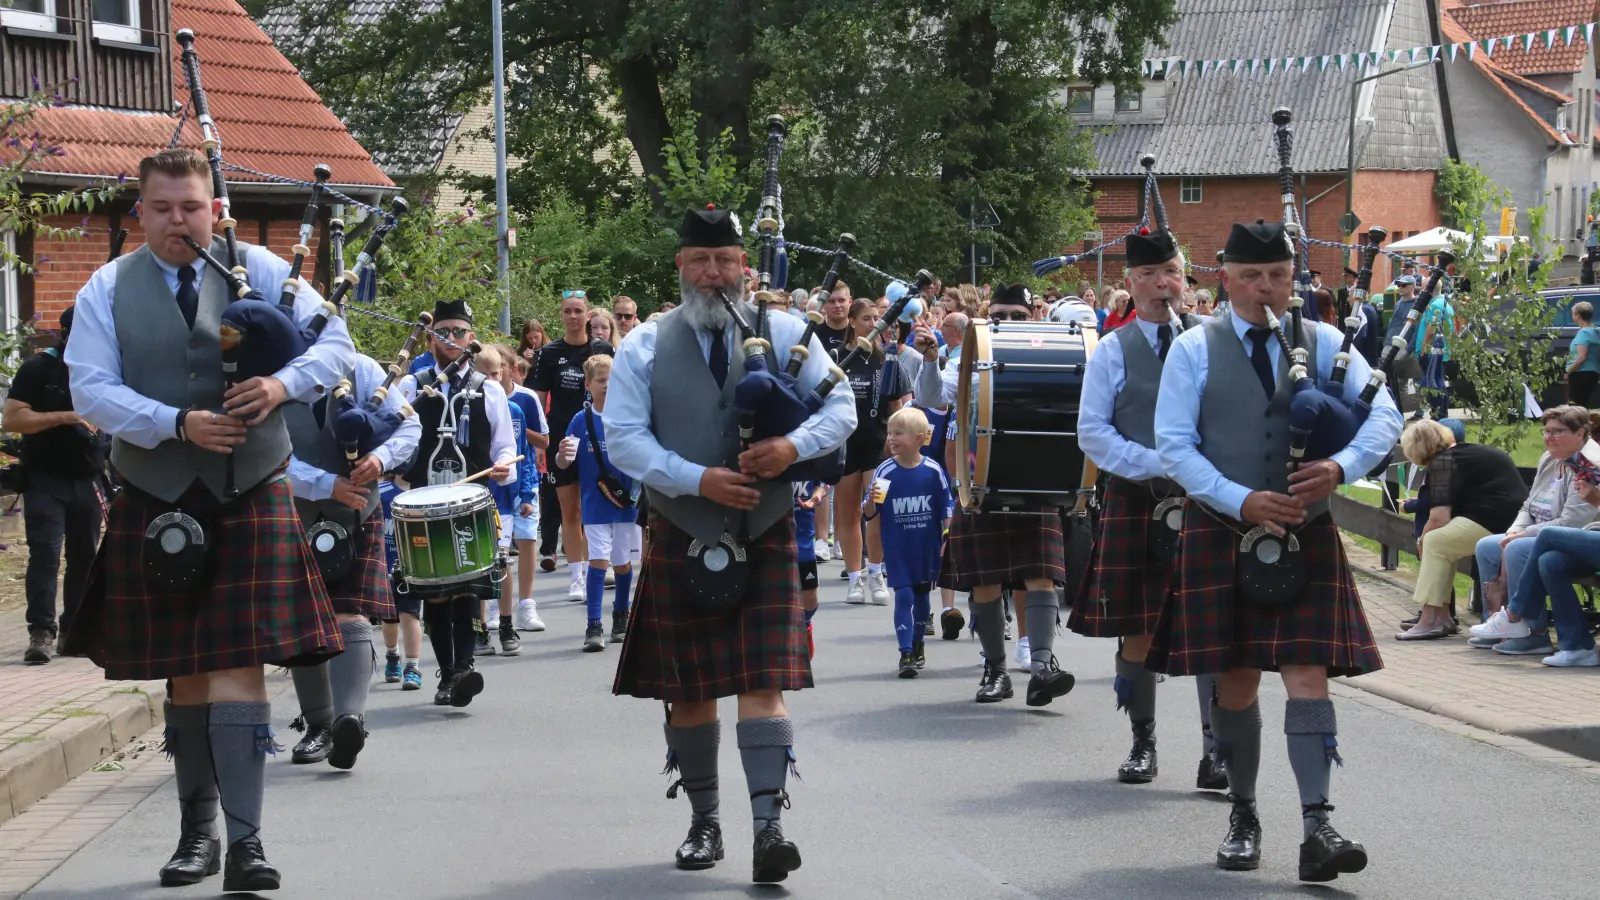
[923, 609]
[624, 589]
[904, 599]
[595, 592]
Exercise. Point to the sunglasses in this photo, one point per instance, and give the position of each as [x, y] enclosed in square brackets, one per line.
[452, 332]
[568, 295]
[1011, 317]
[626, 317]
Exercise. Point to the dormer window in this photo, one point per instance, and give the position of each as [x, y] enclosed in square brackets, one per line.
[29, 15]
[117, 20]
[1080, 101]
[1132, 101]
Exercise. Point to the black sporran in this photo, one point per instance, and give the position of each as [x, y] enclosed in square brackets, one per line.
[1271, 569]
[177, 553]
[334, 549]
[718, 574]
[1165, 527]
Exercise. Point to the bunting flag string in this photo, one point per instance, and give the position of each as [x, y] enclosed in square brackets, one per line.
[1550, 38]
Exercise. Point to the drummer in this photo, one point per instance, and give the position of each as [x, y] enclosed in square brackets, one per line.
[986, 551]
[486, 441]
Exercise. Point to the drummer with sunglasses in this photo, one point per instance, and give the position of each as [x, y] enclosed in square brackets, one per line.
[986, 551]
[1133, 555]
[1222, 431]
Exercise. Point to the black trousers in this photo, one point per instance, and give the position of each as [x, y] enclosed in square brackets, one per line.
[58, 511]
[1580, 387]
[549, 517]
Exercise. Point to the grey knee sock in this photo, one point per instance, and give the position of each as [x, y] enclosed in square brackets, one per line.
[351, 671]
[1313, 749]
[241, 739]
[188, 743]
[766, 747]
[990, 622]
[313, 687]
[1238, 736]
[693, 752]
[1206, 688]
[1136, 690]
[1042, 609]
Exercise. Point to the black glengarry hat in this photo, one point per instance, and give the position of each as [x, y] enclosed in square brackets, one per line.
[710, 227]
[1147, 248]
[1259, 242]
[1012, 295]
[452, 309]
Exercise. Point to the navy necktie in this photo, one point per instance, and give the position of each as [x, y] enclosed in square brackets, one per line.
[1261, 359]
[320, 410]
[188, 295]
[719, 358]
[1164, 335]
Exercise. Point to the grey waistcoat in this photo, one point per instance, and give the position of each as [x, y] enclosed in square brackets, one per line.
[164, 360]
[695, 419]
[318, 447]
[1133, 413]
[1242, 433]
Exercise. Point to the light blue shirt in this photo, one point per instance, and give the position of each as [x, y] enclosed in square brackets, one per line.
[312, 483]
[632, 445]
[1183, 380]
[95, 360]
[1103, 379]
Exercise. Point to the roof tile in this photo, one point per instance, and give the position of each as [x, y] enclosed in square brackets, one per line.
[1490, 20]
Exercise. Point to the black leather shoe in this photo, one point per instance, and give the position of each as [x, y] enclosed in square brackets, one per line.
[466, 685]
[441, 697]
[996, 684]
[1241, 849]
[773, 858]
[1048, 685]
[1325, 855]
[1140, 766]
[248, 869]
[702, 848]
[314, 747]
[1212, 774]
[196, 857]
[349, 736]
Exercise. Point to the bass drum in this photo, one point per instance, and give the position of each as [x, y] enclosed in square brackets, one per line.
[1017, 419]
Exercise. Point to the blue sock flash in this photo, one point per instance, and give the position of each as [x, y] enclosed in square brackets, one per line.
[904, 601]
[595, 593]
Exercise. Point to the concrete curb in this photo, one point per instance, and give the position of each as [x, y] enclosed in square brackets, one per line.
[30, 770]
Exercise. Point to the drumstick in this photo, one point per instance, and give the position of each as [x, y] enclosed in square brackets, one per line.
[515, 459]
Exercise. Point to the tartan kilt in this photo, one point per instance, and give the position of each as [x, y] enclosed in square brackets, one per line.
[365, 591]
[1124, 588]
[1204, 629]
[998, 548]
[673, 655]
[265, 603]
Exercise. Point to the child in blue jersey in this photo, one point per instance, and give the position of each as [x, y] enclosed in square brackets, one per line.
[513, 499]
[612, 530]
[533, 438]
[912, 496]
[407, 628]
[943, 424]
[807, 494]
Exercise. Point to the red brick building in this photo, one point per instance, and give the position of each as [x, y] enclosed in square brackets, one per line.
[124, 92]
[1212, 135]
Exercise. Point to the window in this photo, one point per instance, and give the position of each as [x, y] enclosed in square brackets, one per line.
[33, 15]
[117, 20]
[1080, 101]
[1189, 190]
[1130, 102]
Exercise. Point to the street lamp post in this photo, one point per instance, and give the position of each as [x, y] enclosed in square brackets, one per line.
[1350, 165]
[502, 225]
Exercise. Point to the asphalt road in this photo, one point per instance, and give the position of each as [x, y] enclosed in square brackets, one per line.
[549, 787]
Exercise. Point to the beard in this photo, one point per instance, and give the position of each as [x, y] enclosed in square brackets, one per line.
[704, 309]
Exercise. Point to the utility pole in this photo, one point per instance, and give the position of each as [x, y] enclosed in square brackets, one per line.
[502, 225]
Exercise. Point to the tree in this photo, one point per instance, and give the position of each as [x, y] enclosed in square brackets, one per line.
[898, 111]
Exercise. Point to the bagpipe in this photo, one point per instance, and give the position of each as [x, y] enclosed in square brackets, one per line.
[461, 367]
[1158, 212]
[364, 427]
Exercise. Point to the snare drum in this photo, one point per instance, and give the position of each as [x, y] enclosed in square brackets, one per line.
[1017, 419]
[445, 534]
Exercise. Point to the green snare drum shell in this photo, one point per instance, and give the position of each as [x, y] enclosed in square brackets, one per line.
[445, 534]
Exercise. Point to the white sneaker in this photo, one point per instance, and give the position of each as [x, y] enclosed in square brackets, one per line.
[835, 550]
[1500, 626]
[1573, 658]
[527, 616]
[879, 585]
[578, 592]
[1024, 656]
[857, 593]
[820, 548]
[492, 622]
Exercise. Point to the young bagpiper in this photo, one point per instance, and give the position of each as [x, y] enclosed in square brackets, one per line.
[1143, 509]
[206, 613]
[910, 496]
[609, 519]
[1222, 430]
[338, 502]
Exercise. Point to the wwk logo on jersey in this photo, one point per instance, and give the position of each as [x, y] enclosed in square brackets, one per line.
[912, 505]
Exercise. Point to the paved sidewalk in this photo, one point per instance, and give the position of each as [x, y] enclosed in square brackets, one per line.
[1559, 708]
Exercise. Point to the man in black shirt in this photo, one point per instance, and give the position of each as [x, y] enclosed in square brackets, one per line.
[835, 328]
[557, 378]
[63, 459]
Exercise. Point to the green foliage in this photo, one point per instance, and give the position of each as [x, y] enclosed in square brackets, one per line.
[1463, 191]
[690, 182]
[21, 148]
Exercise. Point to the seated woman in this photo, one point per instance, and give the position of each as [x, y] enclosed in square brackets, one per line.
[1559, 556]
[1554, 500]
[1474, 491]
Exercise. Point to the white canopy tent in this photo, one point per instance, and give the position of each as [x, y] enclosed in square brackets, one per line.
[1442, 238]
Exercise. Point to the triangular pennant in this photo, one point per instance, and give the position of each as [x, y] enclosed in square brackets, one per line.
[1527, 42]
[1568, 32]
[1166, 68]
[1323, 62]
[1550, 38]
[1305, 62]
[1488, 48]
[1394, 55]
[1414, 52]
[1183, 67]
[1588, 31]
[1205, 66]
[1254, 64]
[1272, 63]
[1453, 52]
[1339, 59]
[1433, 53]
[1472, 49]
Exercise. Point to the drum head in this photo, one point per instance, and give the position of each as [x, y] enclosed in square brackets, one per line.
[973, 411]
[441, 499]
